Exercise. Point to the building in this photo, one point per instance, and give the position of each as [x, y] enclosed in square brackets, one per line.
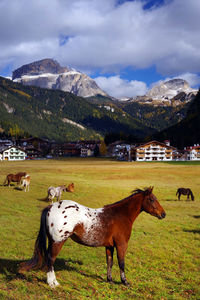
[36, 147]
[86, 151]
[13, 153]
[5, 143]
[65, 149]
[193, 153]
[153, 151]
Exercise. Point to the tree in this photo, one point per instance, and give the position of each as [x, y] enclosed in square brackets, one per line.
[103, 149]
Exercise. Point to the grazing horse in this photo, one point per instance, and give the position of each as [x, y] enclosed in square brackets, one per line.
[70, 188]
[25, 182]
[183, 191]
[55, 192]
[109, 227]
[14, 178]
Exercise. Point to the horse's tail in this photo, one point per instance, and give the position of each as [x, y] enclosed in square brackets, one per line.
[39, 258]
[177, 192]
[192, 196]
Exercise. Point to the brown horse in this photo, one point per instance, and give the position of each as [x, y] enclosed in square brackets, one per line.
[183, 191]
[109, 226]
[14, 178]
[70, 188]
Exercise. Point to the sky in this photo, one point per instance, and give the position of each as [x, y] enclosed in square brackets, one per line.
[125, 46]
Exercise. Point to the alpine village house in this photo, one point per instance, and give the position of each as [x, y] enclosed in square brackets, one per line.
[34, 148]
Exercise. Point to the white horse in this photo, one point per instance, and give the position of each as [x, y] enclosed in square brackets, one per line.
[53, 192]
[25, 182]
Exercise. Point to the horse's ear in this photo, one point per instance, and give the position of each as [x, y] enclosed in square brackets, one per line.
[149, 190]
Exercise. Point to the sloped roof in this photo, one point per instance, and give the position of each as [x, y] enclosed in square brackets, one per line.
[156, 142]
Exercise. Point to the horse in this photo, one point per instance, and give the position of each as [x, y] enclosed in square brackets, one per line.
[109, 227]
[70, 188]
[14, 178]
[183, 191]
[55, 192]
[25, 182]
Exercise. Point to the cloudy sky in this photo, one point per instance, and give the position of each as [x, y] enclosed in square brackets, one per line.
[126, 46]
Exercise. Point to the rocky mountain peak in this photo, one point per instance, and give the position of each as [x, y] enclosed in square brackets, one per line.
[177, 83]
[40, 67]
[166, 93]
[47, 73]
[169, 89]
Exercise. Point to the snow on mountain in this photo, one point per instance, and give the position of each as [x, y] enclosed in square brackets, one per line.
[172, 92]
[47, 73]
[169, 89]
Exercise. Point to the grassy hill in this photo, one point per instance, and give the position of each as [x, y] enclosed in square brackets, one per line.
[51, 113]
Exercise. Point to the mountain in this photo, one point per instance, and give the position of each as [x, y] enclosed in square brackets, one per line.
[186, 132]
[54, 114]
[47, 73]
[169, 93]
[158, 117]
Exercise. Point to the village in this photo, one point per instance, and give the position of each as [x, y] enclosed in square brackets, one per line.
[37, 148]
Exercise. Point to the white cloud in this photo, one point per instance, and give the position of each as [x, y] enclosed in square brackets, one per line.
[192, 79]
[118, 87]
[102, 35]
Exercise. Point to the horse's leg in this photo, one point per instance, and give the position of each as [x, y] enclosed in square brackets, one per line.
[53, 250]
[121, 251]
[109, 259]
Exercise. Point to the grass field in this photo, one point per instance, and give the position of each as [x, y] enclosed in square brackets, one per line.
[163, 257]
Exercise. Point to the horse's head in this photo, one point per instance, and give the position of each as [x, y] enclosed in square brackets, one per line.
[70, 187]
[151, 205]
[63, 188]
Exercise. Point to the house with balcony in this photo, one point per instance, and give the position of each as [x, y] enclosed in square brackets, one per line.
[193, 152]
[153, 151]
[13, 153]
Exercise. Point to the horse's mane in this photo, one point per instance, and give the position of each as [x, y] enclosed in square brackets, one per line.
[133, 193]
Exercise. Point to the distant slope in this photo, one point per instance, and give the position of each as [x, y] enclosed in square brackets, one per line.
[60, 115]
[186, 132]
[157, 117]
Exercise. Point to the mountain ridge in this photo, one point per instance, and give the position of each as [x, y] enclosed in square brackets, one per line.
[47, 73]
[59, 115]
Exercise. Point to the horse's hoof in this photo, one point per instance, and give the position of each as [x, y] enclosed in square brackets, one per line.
[125, 282]
[53, 284]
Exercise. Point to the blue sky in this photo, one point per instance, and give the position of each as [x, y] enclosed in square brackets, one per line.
[126, 46]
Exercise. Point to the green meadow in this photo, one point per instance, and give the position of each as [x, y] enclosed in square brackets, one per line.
[163, 256]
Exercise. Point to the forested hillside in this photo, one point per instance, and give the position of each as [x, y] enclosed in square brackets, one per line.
[28, 110]
[186, 132]
[157, 117]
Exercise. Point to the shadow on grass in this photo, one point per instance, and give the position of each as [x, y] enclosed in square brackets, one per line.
[9, 268]
[44, 200]
[18, 188]
[196, 217]
[176, 200]
[192, 230]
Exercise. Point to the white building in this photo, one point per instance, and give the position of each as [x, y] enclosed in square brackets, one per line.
[86, 152]
[193, 153]
[13, 153]
[153, 151]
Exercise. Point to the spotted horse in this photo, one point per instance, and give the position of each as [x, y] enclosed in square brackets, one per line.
[109, 227]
